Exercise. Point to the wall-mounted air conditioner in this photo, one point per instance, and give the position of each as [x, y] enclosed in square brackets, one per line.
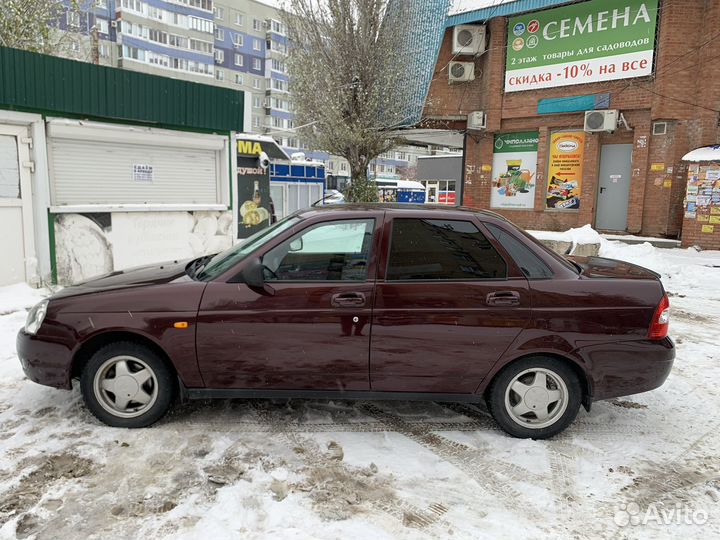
[461, 72]
[468, 39]
[477, 120]
[601, 120]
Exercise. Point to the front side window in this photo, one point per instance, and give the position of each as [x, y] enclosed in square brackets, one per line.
[332, 251]
[439, 249]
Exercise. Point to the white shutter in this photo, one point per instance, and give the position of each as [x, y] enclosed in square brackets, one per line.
[94, 165]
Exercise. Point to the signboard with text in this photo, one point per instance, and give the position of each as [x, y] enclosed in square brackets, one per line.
[565, 170]
[600, 40]
[514, 170]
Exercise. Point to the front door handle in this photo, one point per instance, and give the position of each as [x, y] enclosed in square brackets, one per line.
[349, 299]
[602, 189]
[503, 298]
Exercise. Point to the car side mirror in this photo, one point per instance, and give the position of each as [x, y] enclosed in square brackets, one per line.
[296, 245]
[253, 276]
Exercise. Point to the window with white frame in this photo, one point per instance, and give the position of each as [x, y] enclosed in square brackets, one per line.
[73, 19]
[257, 45]
[257, 84]
[102, 4]
[239, 79]
[257, 25]
[218, 12]
[239, 61]
[219, 34]
[239, 19]
[278, 27]
[257, 102]
[219, 74]
[102, 26]
[238, 40]
[257, 121]
[219, 56]
[257, 64]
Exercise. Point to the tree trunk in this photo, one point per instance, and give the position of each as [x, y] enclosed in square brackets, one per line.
[361, 189]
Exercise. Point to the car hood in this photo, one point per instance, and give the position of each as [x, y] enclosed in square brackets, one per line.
[600, 267]
[152, 274]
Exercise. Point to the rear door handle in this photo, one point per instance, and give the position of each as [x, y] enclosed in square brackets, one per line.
[503, 298]
[349, 299]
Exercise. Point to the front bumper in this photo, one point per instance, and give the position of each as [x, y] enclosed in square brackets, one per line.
[628, 367]
[44, 362]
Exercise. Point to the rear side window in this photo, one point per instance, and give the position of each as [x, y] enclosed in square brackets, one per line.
[433, 249]
[530, 264]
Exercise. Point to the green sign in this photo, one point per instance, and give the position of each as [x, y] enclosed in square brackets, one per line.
[526, 141]
[600, 40]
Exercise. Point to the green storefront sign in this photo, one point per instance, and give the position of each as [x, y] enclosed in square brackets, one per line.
[514, 170]
[594, 41]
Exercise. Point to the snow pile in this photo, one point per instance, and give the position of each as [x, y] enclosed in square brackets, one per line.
[683, 271]
[19, 297]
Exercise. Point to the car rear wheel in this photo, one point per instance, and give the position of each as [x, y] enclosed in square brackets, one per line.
[127, 385]
[535, 397]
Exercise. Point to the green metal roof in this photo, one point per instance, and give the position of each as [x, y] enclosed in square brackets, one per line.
[56, 86]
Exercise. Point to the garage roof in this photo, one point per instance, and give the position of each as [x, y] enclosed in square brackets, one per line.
[56, 86]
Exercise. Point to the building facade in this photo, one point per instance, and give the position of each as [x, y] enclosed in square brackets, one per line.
[531, 155]
[237, 44]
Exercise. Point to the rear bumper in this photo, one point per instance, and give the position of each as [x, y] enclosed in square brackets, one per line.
[44, 362]
[624, 368]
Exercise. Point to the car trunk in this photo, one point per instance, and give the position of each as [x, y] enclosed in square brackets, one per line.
[600, 267]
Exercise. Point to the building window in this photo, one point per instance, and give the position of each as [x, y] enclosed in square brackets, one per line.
[257, 45]
[257, 102]
[219, 56]
[256, 121]
[102, 26]
[219, 74]
[238, 40]
[238, 79]
[218, 12]
[257, 84]
[104, 50]
[239, 19]
[278, 27]
[102, 4]
[239, 59]
[219, 34]
[73, 19]
[257, 25]
[257, 64]
[201, 25]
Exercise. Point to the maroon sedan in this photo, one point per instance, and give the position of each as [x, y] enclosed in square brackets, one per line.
[362, 302]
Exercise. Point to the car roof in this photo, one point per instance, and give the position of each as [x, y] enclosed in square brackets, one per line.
[399, 208]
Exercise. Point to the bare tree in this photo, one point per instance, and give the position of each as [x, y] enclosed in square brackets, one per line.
[344, 75]
[34, 25]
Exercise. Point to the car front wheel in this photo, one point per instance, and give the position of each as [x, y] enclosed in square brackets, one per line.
[535, 397]
[125, 384]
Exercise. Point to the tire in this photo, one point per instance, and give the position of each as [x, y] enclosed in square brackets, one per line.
[517, 402]
[125, 384]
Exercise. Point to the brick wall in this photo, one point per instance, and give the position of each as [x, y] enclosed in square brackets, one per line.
[685, 74]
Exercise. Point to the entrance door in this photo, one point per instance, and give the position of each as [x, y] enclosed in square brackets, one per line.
[16, 240]
[615, 169]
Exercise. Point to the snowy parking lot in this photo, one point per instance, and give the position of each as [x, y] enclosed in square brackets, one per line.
[645, 466]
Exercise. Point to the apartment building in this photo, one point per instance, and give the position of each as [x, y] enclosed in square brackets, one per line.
[238, 44]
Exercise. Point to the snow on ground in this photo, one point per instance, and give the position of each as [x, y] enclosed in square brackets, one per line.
[637, 467]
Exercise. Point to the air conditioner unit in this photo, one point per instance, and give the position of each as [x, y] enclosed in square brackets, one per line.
[601, 120]
[461, 72]
[477, 120]
[113, 24]
[468, 39]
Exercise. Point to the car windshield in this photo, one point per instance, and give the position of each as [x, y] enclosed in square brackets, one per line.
[230, 257]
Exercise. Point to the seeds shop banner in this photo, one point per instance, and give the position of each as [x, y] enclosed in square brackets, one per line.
[565, 170]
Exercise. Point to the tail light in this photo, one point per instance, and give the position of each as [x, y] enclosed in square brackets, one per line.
[661, 320]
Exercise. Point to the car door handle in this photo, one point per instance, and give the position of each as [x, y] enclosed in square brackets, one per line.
[351, 299]
[503, 298]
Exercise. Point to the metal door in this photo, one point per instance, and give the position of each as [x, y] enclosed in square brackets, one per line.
[615, 170]
[16, 241]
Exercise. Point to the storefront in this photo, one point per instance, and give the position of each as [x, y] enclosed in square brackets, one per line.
[586, 111]
[117, 179]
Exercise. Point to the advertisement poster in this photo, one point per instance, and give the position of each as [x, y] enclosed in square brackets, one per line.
[565, 170]
[253, 183]
[600, 40]
[514, 170]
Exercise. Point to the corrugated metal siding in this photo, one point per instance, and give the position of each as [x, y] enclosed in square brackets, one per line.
[501, 10]
[423, 25]
[103, 175]
[44, 83]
